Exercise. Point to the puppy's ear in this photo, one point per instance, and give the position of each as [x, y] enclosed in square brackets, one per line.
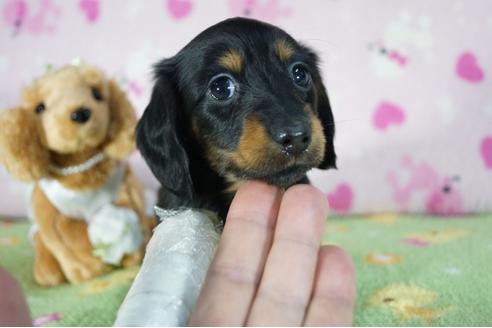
[160, 134]
[121, 134]
[21, 148]
[326, 117]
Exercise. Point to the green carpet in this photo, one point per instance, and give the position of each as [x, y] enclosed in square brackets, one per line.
[419, 271]
[411, 271]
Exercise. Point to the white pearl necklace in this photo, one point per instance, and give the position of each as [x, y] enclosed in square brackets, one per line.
[79, 168]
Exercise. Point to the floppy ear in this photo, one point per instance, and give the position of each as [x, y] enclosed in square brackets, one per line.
[121, 134]
[326, 117]
[160, 135]
[21, 147]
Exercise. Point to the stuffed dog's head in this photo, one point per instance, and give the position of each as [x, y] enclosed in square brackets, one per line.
[250, 96]
[66, 111]
[72, 107]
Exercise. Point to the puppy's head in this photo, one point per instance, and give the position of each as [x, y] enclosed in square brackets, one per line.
[250, 96]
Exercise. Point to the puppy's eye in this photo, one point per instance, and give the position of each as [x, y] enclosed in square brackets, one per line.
[300, 75]
[222, 87]
[97, 94]
[39, 108]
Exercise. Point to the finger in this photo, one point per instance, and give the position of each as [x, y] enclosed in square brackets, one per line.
[236, 269]
[333, 297]
[13, 307]
[287, 280]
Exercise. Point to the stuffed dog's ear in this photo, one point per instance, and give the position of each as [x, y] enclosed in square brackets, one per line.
[160, 134]
[21, 147]
[121, 134]
[326, 117]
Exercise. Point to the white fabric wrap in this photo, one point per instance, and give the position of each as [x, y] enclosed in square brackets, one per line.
[167, 286]
[113, 231]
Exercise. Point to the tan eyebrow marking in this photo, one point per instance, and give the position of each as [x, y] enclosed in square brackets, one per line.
[284, 50]
[231, 60]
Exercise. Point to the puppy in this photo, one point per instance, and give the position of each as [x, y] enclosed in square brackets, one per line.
[242, 101]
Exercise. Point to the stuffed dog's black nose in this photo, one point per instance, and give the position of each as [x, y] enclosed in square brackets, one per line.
[294, 140]
[81, 115]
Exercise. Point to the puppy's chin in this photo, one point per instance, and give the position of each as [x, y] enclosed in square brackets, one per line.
[282, 178]
[287, 177]
[271, 165]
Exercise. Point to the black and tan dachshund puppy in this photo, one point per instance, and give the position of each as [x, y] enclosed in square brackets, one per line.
[242, 101]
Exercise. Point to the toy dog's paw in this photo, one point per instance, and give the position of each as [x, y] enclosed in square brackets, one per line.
[48, 274]
[132, 259]
[95, 264]
[78, 272]
[47, 271]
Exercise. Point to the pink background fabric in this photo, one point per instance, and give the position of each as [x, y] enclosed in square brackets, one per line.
[409, 81]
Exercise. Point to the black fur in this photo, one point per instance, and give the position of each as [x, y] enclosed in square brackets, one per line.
[177, 155]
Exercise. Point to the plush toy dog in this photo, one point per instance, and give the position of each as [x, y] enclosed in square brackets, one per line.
[68, 137]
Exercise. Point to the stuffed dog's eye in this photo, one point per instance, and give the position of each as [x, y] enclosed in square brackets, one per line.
[222, 87]
[97, 94]
[300, 75]
[40, 108]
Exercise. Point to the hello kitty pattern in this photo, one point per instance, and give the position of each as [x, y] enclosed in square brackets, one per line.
[438, 195]
[90, 9]
[23, 17]
[267, 10]
[486, 151]
[405, 81]
[387, 114]
[468, 68]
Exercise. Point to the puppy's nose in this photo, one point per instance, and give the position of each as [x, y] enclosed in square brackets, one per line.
[81, 115]
[294, 140]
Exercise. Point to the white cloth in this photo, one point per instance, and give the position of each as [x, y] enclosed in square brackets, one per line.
[167, 286]
[113, 231]
[82, 204]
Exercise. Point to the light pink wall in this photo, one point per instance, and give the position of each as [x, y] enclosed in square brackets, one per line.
[410, 121]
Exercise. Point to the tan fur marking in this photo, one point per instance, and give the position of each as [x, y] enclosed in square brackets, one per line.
[232, 61]
[234, 183]
[254, 144]
[318, 140]
[195, 128]
[284, 50]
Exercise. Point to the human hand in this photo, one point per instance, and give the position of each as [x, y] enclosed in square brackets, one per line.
[270, 269]
[13, 307]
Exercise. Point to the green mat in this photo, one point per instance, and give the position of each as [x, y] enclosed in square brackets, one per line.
[411, 271]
